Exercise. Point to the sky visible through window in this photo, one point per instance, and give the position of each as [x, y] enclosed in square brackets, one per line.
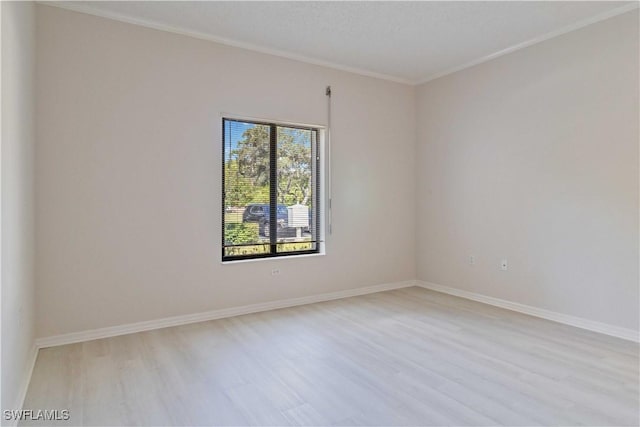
[233, 137]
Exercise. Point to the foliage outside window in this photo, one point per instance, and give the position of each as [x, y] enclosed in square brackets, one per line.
[270, 190]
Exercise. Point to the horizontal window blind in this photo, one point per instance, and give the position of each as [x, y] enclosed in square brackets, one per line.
[270, 190]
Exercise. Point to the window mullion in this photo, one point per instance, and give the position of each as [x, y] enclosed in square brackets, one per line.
[273, 188]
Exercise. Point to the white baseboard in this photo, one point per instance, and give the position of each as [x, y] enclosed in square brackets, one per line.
[131, 328]
[579, 322]
[93, 334]
[26, 380]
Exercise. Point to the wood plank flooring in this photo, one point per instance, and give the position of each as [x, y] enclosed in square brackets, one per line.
[404, 357]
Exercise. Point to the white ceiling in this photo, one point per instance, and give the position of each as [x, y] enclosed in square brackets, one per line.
[404, 41]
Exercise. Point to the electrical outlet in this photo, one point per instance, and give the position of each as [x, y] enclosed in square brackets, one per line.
[275, 272]
[472, 260]
[503, 264]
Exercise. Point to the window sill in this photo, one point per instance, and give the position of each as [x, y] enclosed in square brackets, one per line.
[279, 258]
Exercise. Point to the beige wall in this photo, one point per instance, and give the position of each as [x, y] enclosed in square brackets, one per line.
[17, 152]
[129, 174]
[531, 157]
[534, 157]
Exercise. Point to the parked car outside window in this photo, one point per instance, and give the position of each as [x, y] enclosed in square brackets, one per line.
[258, 212]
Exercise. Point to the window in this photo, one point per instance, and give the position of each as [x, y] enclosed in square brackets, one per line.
[270, 190]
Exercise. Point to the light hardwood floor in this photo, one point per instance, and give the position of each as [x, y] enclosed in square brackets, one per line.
[403, 357]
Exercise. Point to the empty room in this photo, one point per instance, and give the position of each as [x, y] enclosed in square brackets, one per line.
[317, 213]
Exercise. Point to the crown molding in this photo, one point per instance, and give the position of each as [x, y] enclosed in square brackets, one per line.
[84, 8]
[564, 30]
